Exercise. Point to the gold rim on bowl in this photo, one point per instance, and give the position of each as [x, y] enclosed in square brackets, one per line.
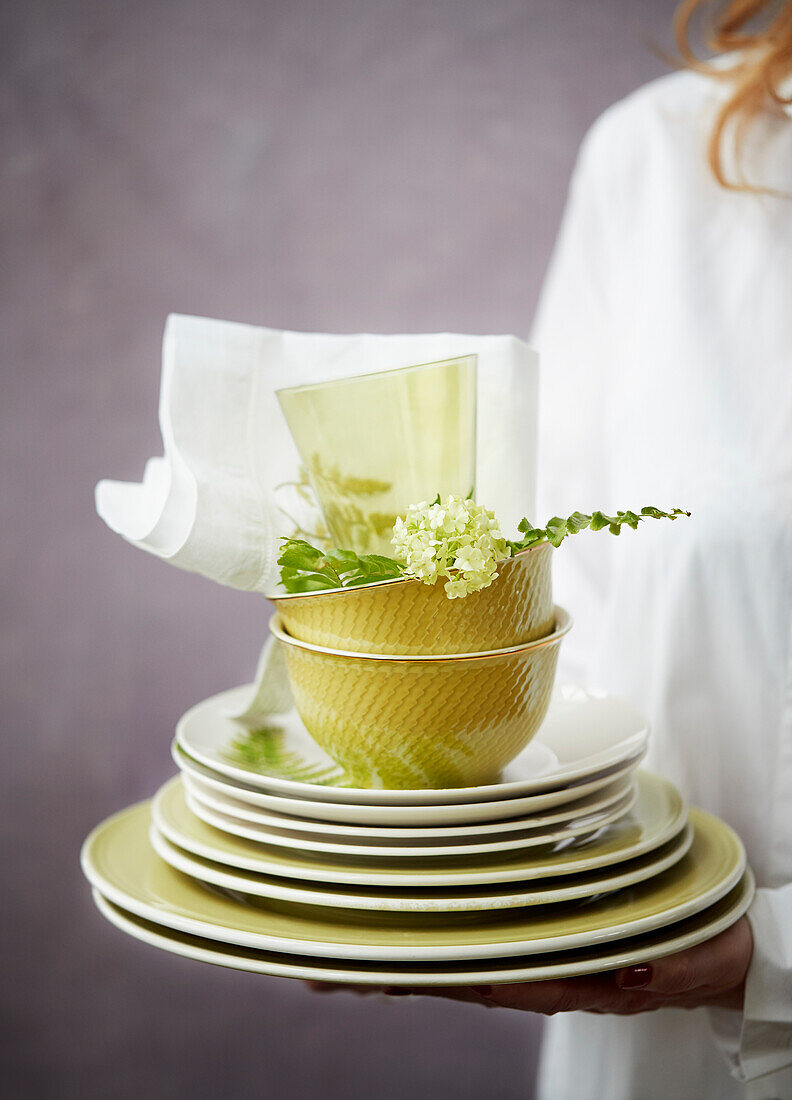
[563, 624]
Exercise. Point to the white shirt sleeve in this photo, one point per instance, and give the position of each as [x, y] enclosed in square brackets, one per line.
[578, 322]
[759, 1041]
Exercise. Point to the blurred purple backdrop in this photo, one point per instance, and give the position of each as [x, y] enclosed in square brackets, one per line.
[386, 165]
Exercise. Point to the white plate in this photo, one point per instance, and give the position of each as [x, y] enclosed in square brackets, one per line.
[362, 814]
[659, 814]
[567, 964]
[119, 861]
[584, 733]
[465, 899]
[308, 842]
[213, 795]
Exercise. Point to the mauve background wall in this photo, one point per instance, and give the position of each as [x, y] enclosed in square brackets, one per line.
[316, 164]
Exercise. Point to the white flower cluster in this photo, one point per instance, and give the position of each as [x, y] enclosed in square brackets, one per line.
[456, 539]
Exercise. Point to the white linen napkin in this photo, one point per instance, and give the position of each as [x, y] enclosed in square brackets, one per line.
[270, 693]
[210, 505]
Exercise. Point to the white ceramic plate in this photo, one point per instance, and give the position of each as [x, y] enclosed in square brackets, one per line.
[214, 796]
[584, 733]
[362, 814]
[463, 899]
[659, 814]
[308, 842]
[567, 964]
[119, 861]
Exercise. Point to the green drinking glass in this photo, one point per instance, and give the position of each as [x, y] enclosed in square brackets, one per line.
[375, 443]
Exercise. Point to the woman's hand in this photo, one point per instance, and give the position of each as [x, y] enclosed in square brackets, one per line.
[713, 973]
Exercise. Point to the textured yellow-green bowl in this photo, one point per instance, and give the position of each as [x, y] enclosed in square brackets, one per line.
[428, 721]
[409, 617]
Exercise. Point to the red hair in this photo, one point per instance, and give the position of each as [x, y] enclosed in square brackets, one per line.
[761, 64]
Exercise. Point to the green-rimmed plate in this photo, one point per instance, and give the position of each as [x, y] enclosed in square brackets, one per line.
[119, 861]
[568, 964]
[658, 814]
[427, 900]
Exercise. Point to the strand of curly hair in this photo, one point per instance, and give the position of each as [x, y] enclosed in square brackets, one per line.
[759, 35]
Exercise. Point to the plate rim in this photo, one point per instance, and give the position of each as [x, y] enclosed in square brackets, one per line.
[619, 807]
[369, 813]
[405, 878]
[610, 961]
[399, 952]
[396, 878]
[563, 623]
[236, 881]
[429, 797]
[555, 814]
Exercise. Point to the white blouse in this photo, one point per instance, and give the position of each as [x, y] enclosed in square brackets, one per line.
[665, 336]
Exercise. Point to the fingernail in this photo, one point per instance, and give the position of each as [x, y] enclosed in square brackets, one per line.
[396, 991]
[635, 977]
[482, 990]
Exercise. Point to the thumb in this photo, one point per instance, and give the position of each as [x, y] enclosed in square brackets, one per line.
[674, 974]
[718, 963]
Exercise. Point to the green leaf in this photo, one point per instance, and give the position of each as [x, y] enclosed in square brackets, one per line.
[630, 519]
[342, 560]
[556, 530]
[534, 534]
[370, 564]
[306, 569]
[578, 521]
[299, 554]
[295, 581]
[598, 521]
[382, 562]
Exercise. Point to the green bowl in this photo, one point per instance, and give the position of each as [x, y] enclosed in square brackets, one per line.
[442, 720]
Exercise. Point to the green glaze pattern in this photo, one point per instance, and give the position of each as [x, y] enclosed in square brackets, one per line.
[427, 721]
[263, 751]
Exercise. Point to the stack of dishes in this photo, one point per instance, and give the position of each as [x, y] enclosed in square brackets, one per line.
[432, 812]
[264, 856]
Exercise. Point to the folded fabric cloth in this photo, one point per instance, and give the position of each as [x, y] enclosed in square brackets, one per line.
[211, 504]
[270, 693]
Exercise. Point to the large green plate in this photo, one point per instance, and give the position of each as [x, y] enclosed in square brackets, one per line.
[421, 899]
[566, 964]
[119, 861]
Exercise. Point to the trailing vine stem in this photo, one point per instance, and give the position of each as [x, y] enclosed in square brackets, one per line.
[305, 568]
[558, 529]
